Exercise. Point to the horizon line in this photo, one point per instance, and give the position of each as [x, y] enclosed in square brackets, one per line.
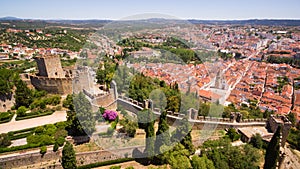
[108, 19]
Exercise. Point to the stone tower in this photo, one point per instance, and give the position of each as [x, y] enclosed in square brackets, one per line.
[275, 121]
[51, 76]
[50, 66]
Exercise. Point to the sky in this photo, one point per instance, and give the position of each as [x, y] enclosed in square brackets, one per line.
[183, 9]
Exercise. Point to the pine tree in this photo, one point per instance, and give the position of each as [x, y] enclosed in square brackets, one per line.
[23, 95]
[68, 157]
[272, 153]
[84, 114]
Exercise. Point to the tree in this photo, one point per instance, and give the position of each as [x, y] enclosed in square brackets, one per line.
[292, 118]
[68, 157]
[23, 95]
[232, 134]
[55, 147]
[256, 141]
[105, 73]
[294, 138]
[177, 157]
[202, 163]
[182, 134]
[267, 113]
[84, 116]
[204, 109]
[146, 121]
[7, 79]
[150, 140]
[272, 152]
[4, 140]
[68, 102]
[226, 156]
[129, 126]
[162, 134]
[158, 99]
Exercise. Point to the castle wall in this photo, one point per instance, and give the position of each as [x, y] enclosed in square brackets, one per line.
[82, 158]
[52, 85]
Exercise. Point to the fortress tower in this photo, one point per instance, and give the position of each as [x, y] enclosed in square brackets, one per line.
[50, 66]
[51, 76]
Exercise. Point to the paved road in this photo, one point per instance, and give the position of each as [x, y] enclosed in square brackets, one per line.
[34, 122]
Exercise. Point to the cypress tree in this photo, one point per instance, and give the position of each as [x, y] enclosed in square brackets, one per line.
[68, 157]
[146, 122]
[272, 153]
[162, 134]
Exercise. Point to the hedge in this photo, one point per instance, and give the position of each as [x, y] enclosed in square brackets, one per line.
[34, 115]
[6, 117]
[19, 136]
[16, 148]
[99, 164]
[23, 130]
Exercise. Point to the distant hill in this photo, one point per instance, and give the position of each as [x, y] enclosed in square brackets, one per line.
[9, 18]
[268, 22]
[99, 22]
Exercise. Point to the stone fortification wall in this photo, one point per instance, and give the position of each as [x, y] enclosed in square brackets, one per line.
[52, 85]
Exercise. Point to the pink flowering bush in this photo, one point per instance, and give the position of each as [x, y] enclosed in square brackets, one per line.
[110, 115]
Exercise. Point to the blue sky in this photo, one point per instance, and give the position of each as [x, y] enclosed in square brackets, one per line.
[184, 9]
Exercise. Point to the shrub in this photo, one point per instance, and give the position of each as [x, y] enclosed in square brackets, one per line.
[39, 93]
[110, 115]
[124, 113]
[115, 167]
[105, 163]
[61, 125]
[19, 136]
[50, 129]
[129, 126]
[113, 125]
[6, 117]
[43, 150]
[16, 148]
[21, 112]
[39, 130]
[42, 104]
[36, 114]
[53, 100]
[60, 141]
[130, 167]
[110, 130]
[40, 139]
[55, 147]
[60, 133]
[4, 140]
[101, 110]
